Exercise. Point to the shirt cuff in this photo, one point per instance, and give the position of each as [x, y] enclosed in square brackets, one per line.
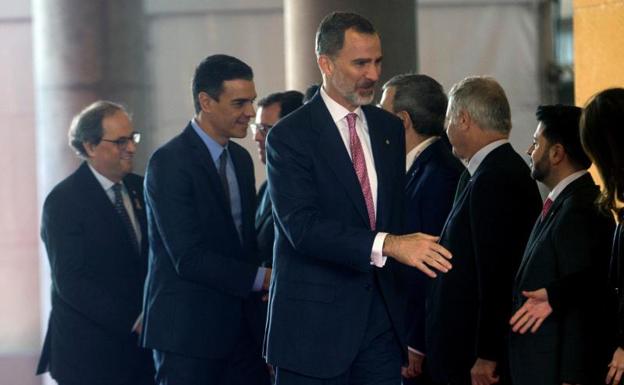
[411, 349]
[259, 281]
[377, 259]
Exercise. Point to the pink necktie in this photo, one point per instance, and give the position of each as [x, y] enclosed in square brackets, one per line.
[359, 164]
[546, 207]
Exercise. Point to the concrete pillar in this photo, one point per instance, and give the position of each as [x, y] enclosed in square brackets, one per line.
[395, 20]
[83, 51]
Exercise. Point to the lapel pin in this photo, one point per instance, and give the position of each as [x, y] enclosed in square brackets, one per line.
[387, 141]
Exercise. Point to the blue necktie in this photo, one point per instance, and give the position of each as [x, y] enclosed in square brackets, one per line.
[123, 214]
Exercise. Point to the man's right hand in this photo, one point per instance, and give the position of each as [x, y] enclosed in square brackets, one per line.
[418, 250]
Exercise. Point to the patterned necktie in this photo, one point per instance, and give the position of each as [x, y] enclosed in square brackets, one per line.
[223, 174]
[123, 214]
[359, 164]
[546, 207]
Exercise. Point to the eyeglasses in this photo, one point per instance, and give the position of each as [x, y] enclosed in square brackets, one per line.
[122, 142]
[260, 127]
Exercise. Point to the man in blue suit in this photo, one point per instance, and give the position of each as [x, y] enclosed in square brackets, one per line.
[336, 180]
[204, 278]
[432, 175]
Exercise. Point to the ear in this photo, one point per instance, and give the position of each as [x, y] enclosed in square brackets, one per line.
[556, 153]
[464, 120]
[405, 119]
[89, 148]
[205, 101]
[326, 65]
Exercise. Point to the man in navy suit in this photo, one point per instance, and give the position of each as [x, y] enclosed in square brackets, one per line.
[432, 175]
[93, 227]
[487, 230]
[336, 180]
[564, 260]
[204, 278]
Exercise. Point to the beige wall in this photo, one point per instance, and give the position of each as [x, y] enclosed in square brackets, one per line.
[598, 46]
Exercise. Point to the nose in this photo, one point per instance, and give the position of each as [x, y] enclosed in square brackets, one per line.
[250, 111]
[131, 147]
[530, 149]
[374, 72]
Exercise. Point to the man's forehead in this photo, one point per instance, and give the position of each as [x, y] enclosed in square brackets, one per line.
[361, 45]
[239, 88]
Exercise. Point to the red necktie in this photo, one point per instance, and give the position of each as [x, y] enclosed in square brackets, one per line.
[546, 207]
[359, 164]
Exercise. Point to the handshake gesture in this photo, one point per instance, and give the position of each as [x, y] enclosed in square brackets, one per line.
[418, 250]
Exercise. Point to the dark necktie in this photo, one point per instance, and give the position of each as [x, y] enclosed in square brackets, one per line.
[223, 174]
[359, 164]
[123, 214]
[461, 185]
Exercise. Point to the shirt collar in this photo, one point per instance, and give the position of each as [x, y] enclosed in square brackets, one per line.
[565, 182]
[479, 156]
[104, 181]
[214, 148]
[338, 111]
[416, 151]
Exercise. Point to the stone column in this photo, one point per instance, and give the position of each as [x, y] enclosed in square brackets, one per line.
[83, 51]
[395, 20]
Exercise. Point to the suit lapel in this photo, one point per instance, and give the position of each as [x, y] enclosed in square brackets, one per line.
[333, 149]
[542, 226]
[101, 203]
[136, 198]
[380, 145]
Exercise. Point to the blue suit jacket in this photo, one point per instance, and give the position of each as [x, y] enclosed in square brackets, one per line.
[430, 189]
[200, 276]
[322, 277]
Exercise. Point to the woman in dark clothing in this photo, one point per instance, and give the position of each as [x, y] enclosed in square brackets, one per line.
[602, 135]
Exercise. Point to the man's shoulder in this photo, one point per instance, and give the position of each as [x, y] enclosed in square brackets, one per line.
[69, 189]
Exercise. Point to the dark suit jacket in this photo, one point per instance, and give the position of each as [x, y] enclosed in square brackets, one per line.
[200, 274]
[468, 308]
[97, 283]
[431, 184]
[323, 279]
[265, 232]
[570, 346]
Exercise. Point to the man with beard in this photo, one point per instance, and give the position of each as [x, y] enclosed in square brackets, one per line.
[487, 229]
[570, 241]
[336, 180]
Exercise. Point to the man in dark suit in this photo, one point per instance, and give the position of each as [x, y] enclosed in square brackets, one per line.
[571, 238]
[270, 110]
[204, 278]
[93, 227]
[432, 175]
[487, 230]
[336, 180]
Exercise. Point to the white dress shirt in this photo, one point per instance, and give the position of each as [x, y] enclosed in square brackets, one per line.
[338, 114]
[563, 183]
[416, 151]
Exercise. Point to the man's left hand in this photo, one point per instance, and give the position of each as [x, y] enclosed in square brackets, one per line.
[414, 365]
[483, 372]
[532, 313]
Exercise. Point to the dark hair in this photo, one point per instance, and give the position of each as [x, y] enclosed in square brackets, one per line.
[310, 92]
[602, 136]
[423, 99]
[288, 101]
[561, 125]
[331, 31]
[213, 71]
[86, 126]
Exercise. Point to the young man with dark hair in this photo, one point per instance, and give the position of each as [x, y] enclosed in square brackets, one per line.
[566, 255]
[204, 272]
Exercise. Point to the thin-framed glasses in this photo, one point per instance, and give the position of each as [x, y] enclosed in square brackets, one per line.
[122, 142]
[260, 127]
